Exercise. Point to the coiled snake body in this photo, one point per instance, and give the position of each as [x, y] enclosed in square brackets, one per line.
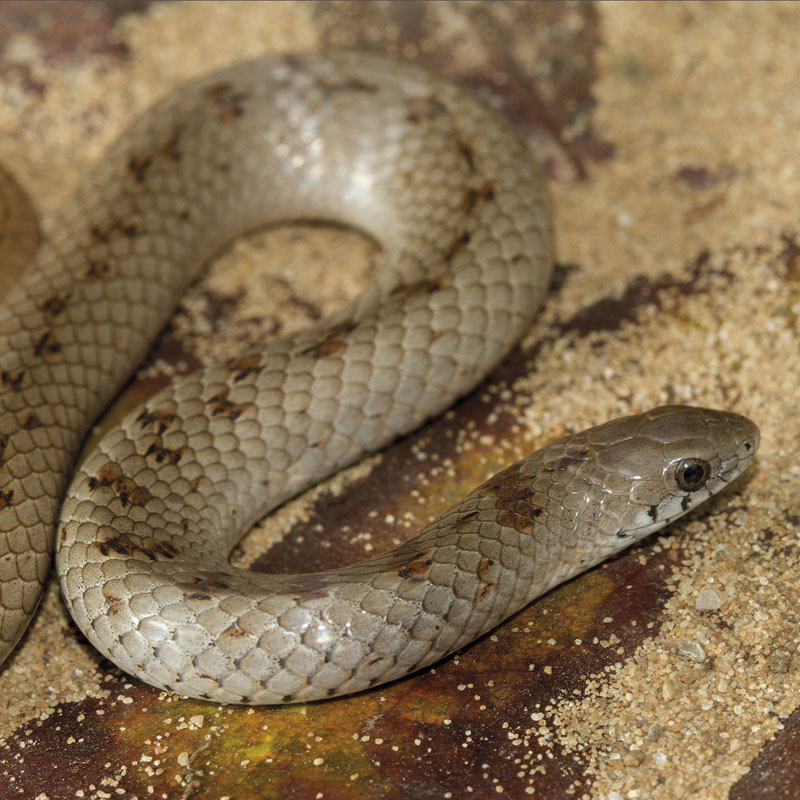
[454, 197]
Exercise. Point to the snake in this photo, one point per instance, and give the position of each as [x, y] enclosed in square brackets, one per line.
[143, 528]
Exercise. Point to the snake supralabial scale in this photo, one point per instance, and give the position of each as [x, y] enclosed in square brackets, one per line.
[454, 197]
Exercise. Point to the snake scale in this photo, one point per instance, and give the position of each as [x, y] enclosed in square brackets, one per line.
[452, 194]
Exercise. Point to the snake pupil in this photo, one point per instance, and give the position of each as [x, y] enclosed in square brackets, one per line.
[692, 474]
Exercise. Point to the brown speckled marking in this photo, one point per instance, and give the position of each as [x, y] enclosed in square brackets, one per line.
[514, 495]
[106, 476]
[114, 229]
[221, 406]
[245, 366]
[417, 568]
[124, 544]
[467, 154]
[112, 600]
[329, 87]
[46, 344]
[137, 167]
[207, 582]
[31, 422]
[158, 420]
[423, 109]
[171, 150]
[457, 245]
[14, 382]
[97, 269]
[124, 487]
[55, 305]
[230, 102]
[486, 586]
[164, 455]
[235, 632]
[332, 343]
[565, 462]
[6, 497]
[472, 197]
[198, 595]
[424, 286]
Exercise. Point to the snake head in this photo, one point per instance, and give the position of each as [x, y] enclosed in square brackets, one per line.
[671, 459]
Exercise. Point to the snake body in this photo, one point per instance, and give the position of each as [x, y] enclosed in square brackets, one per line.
[455, 199]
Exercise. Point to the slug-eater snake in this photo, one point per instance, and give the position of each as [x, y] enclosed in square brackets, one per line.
[142, 540]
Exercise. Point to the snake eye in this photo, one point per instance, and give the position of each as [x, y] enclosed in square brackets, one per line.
[692, 474]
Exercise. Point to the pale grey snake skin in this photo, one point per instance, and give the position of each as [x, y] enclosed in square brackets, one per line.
[454, 197]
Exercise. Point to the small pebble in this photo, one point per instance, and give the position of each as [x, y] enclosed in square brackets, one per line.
[691, 650]
[654, 732]
[779, 662]
[707, 600]
[632, 758]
